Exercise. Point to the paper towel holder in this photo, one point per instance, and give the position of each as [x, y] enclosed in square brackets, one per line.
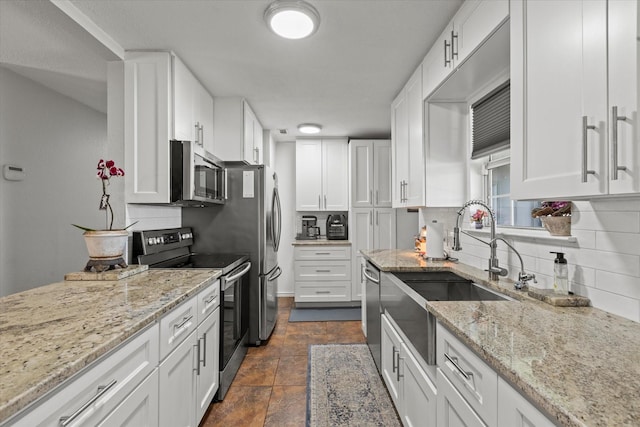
[440, 247]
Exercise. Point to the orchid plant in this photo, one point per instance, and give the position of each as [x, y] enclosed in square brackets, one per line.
[106, 170]
[559, 208]
[479, 215]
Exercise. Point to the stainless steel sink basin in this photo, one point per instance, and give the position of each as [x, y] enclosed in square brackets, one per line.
[447, 286]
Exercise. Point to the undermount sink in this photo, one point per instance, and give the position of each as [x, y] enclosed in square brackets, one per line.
[447, 286]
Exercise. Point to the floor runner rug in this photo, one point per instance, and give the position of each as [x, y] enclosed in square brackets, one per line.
[344, 388]
[324, 314]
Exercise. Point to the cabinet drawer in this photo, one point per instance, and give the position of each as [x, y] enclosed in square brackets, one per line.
[473, 378]
[319, 253]
[102, 388]
[322, 270]
[208, 300]
[322, 291]
[452, 408]
[176, 325]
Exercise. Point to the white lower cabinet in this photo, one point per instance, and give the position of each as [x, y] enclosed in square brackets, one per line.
[322, 274]
[453, 410]
[189, 375]
[411, 389]
[98, 392]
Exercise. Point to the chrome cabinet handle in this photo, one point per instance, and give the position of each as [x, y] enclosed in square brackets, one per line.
[325, 201]
[447, 61]
[615, 118]
[201, 135]
[371, 196]
[197, 126]
[361, 273]
[454, 360]
[197, 346]
[323, 292]
[370, 219]
[323, 253]
[204, 349]
[256, 155]
[319, 202]
[377, 197]
[183, 322]
[454, 53]
[377, 218]
[585, 128]
[398, 375]
[323, 271]
[210, 299]
[66, 420]
[394, 351]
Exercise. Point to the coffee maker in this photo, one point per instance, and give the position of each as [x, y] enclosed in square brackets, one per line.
[310, 229]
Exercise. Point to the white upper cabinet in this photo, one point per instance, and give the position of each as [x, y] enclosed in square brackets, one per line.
[162, 101]
[237, 131]
[474, 22]
[407, 145]
[370, 173]
[322, 174]
[574, 65]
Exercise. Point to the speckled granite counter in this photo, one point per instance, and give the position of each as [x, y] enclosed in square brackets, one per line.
[321, 242]
[579, 364]
[52, 332]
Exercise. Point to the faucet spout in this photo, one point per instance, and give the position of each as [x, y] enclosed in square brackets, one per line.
[494, 267]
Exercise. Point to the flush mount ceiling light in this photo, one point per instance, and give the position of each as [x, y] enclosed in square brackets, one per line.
[292, 19]
[309, 128]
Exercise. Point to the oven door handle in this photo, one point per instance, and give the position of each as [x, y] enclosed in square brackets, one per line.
[275, 275]
[231, 278]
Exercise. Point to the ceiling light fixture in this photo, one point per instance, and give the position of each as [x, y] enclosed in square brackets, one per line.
[309, 128]
[292, 19]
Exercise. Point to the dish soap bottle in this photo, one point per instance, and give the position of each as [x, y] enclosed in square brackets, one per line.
[560, 274]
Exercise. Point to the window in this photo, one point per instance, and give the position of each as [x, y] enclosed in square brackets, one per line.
[509, 213]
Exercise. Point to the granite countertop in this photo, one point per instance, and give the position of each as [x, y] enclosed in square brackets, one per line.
[323, 241]
[50, 333]
[579, 364]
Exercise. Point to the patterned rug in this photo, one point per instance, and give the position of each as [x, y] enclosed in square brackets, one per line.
[344, 388]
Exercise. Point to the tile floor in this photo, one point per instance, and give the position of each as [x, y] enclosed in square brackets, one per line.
[270, 388]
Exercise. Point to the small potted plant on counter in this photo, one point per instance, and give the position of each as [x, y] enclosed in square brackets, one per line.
[477, 218]
[106, 247]
[555, 217]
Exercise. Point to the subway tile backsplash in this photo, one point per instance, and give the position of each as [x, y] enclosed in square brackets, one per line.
[604, 263]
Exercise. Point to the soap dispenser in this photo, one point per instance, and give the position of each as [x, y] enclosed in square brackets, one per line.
[560, 274]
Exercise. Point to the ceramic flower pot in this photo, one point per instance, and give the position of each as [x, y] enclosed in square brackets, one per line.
[557, 225]
[477, 225]
[105, 244]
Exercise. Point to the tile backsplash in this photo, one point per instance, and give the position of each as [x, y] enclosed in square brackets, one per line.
[604, 262]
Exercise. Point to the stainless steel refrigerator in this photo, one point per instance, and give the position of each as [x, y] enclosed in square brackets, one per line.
[249, 222]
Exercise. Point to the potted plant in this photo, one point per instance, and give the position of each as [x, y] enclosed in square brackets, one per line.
[106, 247]
[555, 217]
[477, 218]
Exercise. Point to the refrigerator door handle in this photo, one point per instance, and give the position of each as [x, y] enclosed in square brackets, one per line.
[276, 273]
[276, 231]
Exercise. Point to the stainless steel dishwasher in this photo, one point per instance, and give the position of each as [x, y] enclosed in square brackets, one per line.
[372, 274]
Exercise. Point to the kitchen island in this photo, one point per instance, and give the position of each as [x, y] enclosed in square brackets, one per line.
[53, 332]
[578, 364]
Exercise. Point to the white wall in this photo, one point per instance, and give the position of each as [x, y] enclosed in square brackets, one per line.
[58, 141]
[284, 163]
[604, 264]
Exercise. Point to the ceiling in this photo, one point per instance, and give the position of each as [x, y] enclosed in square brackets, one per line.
[343, 77]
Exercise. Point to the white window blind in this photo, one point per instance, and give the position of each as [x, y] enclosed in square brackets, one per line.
[490, 125]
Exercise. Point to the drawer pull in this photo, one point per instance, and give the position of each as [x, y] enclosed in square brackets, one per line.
[197, 346]
[323, 253]
[323, 292]
[454, 360]
[398, 375]
[66, 420]
[211, 299]
[323, 271]
[185, 319]
[394, 361]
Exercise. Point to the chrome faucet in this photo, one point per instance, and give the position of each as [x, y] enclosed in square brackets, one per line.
[495, 271]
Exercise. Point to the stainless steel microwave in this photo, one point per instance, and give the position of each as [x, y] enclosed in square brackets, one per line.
[197, 177]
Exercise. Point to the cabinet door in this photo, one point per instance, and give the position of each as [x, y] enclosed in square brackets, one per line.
[390, 362]
[361, 239]
[148, 129]
[177, 386]
[559, 91]
[414, 192]
[335, 174]
[207, 380]
[384, 228]
[399, 149]
[248, 147]
[258, 143]
[308, 174]
[473, 23]
[184, 102]
[419, 406]
[438, 63]
[362, 174]
[139, 409]
[452, 409]
[515, 411]
[624, 60]
[382, 174]
[203, 116]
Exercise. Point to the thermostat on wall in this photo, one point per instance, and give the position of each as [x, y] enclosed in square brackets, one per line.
[13, 173]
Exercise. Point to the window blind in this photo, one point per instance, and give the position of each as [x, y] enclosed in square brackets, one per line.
[491, 122]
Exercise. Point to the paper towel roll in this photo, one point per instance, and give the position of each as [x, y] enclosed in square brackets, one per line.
[435, 241]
